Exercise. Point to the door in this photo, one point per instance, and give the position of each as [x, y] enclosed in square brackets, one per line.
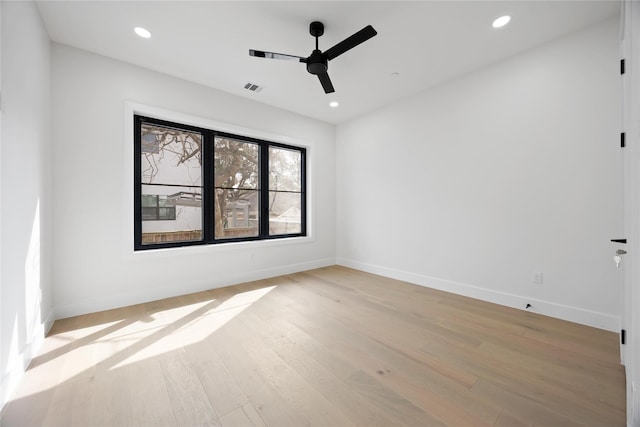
[630, 351]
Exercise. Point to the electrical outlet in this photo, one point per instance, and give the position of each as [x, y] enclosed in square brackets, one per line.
[537, 278]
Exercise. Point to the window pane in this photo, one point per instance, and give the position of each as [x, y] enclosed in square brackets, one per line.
[179, 220]
[149, 201]
[167, 213]
[285, 214]
[236, 213]
[164, 201]
[236, 163]
[170, 156]
[149, 214]
[236, 179]
[284, 169]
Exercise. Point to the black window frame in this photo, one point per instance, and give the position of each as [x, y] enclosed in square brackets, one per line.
[208, 190]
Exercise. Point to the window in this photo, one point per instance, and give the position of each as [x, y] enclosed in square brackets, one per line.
[236, 186]
[197, 186]
[285, 190]
[157, 208]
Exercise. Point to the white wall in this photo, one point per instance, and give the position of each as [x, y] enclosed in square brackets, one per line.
[25, 188]
[474, 185]
[94, 264]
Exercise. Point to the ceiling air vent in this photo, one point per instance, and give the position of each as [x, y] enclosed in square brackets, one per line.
[253, 87]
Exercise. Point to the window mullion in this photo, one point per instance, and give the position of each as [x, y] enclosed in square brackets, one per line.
[208, 190]
[264, 190]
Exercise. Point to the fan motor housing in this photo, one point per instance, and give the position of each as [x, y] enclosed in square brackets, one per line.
[317, 63]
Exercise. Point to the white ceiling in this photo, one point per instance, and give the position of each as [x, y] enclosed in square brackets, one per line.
[426, 42]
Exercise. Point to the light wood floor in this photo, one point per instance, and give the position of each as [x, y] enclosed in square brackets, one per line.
[328, 347]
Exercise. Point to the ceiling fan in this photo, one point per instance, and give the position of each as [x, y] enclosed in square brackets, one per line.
[317, 62]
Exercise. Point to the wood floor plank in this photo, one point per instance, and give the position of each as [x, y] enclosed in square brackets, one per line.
[187, 397]
[512, 372]
[272, 407]
[526, 408]
[28, 410]
[290, 342]
[71, 404]
[150, 402]
[360, 411]
[507, 420]
[398, 408]
[296, 391]
[221, 388]
[403, 370]
[243, 416]
[327, 347]
[595, 394]
[111, 405]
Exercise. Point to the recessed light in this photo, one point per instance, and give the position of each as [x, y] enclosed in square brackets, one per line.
[333, 104]
[142, 32]
[394, 75]
[501, 22]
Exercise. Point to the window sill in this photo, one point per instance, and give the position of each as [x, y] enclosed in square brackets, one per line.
[198, 250]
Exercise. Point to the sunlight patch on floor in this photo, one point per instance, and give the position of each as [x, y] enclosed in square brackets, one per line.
[194, 328]
[140, 333]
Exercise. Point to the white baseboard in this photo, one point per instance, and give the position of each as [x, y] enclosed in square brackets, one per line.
[21, 361]
[573, 314]
[48, 321]
[147, 295]
[11, 378]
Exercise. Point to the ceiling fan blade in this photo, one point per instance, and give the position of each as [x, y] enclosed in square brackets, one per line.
[350, 42]
[272, 55]
[326, 83]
